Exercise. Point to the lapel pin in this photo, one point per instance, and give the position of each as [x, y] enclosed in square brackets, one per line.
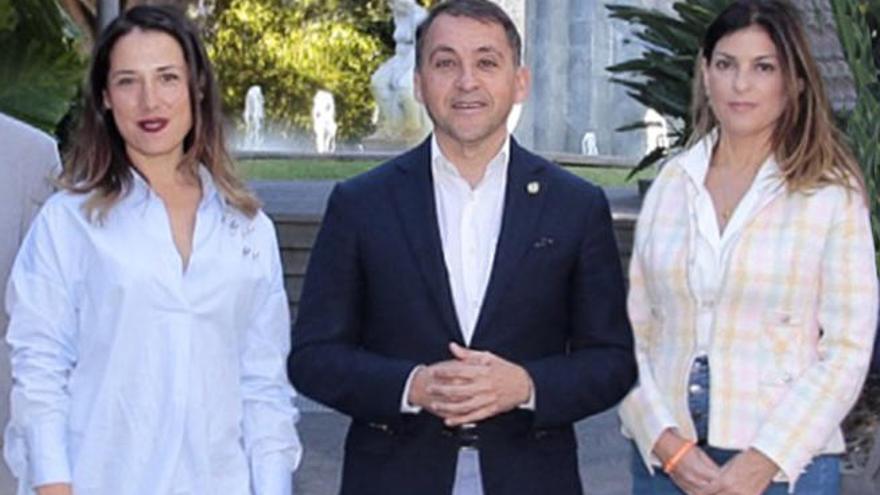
[533, 187]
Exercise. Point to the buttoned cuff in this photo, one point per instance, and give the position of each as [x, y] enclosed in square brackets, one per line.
[271, 475]
[405, 406]
[47, 445]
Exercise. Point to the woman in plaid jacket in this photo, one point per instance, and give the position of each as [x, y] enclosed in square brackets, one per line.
[753, 291]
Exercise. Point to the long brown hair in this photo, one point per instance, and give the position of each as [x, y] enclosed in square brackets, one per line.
[809, 148]
[98, 164]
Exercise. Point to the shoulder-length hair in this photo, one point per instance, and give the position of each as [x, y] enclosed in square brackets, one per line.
[98, 164]
[811, 152]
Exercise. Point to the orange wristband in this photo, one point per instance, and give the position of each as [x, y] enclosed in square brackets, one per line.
[673, 461]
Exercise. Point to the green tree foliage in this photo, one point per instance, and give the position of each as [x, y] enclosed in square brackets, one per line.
[292, 48]
[857, 22]
[40, 67]
[661, 77]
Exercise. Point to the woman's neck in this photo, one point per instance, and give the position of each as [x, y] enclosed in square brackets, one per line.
[741, 152]
[164, 171]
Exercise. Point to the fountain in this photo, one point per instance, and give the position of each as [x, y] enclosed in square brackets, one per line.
[324, 122]
[253, 117]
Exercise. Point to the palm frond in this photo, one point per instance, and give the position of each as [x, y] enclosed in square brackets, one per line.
[660, 78]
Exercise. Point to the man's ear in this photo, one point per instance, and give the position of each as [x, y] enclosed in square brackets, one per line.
[417, 86]
[523, 84]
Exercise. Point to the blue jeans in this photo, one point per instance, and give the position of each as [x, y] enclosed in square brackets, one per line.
[822, 476]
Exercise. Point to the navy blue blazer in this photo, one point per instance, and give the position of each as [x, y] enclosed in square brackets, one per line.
[875, 357]
[376, 303]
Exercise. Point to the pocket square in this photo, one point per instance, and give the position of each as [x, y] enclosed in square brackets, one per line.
[543, 242]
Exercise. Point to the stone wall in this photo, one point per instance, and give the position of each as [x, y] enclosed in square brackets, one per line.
[297, 232]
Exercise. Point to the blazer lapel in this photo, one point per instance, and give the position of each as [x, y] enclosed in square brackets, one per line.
[523, 202]
[413, 193]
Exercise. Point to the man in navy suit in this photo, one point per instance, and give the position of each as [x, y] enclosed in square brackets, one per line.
[464, 302]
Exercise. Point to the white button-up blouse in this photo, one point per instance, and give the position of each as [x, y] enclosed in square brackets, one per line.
[133, 376]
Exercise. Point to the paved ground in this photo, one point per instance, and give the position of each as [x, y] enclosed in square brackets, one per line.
[604, 454]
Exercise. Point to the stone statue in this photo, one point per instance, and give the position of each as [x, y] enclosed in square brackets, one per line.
[324, 122]
[401, 119]
[588, 144]
[253, 117]
[656, 131]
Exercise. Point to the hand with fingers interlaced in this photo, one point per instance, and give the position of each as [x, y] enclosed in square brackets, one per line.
[689, 466]
[749, 473]
[470, 387]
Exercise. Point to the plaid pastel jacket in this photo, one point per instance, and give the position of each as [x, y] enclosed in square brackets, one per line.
[794, 321]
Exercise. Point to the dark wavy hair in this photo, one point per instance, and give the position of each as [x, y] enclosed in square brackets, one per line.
[479, 10]
[98, 164]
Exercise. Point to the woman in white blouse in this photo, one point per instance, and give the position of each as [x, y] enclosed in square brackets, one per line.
[753, 293]
[149, 322]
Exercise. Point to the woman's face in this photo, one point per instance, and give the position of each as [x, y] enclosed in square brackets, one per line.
[745, 83]
[148, 94]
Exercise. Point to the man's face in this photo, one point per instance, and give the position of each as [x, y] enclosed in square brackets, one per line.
[468, 80]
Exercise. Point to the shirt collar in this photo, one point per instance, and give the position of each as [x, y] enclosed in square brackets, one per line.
[209, 187]
[441, 164]
[695, 163]
[210, 193]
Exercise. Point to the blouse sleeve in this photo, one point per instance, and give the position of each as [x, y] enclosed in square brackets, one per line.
[271, 440]
[41, 336]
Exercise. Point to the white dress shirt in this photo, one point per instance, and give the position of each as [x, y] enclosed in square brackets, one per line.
[712, 248]
[136, 377]
[469, 219]
[470, 222]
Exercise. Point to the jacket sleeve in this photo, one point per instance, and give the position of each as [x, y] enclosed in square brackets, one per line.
[817, 401]
[643, 413]
[599, 368]
[327, 362]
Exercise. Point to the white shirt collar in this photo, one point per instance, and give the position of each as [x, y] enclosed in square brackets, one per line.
[441, 164]
[210, 192]
[695, 163]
